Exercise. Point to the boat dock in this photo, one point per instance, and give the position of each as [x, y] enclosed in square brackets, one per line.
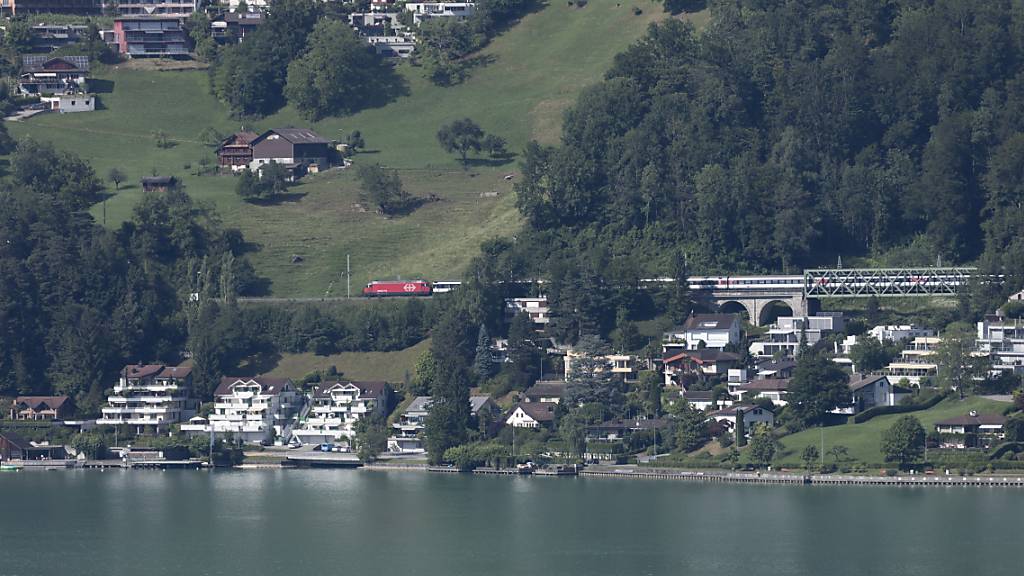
[805, 479]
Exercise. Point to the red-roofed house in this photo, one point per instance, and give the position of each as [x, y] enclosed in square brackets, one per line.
[40, 408]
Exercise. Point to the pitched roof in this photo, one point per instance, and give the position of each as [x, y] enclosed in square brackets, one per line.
[239, 139]
[703, 356]
[974, 420]
[539, 411]
[158, 180]
[700, 395]
[141, 370]
[710, 322]
[295, 135]
[269, 385]
[422, 404]
[776, 365]
[767, 384]
[858, 381]
[731, 410]
[546, 388]
[38, 63]
[36, 402]
[630, 424]
[175, 372]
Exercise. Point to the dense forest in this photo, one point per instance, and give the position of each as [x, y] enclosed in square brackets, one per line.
[790, 133]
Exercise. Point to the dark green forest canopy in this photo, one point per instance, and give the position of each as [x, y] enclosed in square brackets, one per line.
[787, 133]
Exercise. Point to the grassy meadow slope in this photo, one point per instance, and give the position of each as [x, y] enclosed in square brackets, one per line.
[536, 70]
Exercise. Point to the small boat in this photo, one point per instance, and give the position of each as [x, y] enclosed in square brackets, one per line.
[9, 467]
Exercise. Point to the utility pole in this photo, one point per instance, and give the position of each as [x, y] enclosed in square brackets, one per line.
[348, 275]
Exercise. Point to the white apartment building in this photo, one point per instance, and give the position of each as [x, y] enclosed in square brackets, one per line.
[916, 361]
[1002, 340]
[253, 410]
[155, 7]
[426, 10]
[619, 364]
[335, 408]
[784, 337]
[898, 333]
[150, 397]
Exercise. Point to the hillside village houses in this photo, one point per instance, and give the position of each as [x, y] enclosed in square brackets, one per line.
[335, 407]
[916, 362]
[40, 408]
[537, 308]
[786, 334]
[299, 150]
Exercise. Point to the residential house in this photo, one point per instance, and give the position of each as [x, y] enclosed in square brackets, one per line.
[295, 148]
[426, 10]
[231, 27]
[150, 36]
[255, 410]
[842, 351]
[899, 333]
[53, 75]
[532, 415]
[708, 331]
[235, 152]
[26, 7]
[537, 308]
[335, 408]
[705, 399]
[971, 431]
[14, 447]
[775, 368]
[784, 338]
[751, 415]
[1001, 339]
[150, 397]
[384, 32]
[774, 389]
[254, 5]
[682, 367]
[623, 365]
[40, 408]
[49, 37]
[396, 46]
[158, 183]
[181, 8]
[69, 103]
[546, 391]
[916, 362]
[734, 379]
[407, 433]
[868, 391]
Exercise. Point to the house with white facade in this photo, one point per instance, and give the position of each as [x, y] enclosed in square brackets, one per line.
[916, 362]
[1001, 339]
[532, 415]
[537, 308]
[335, 407]
[774, 389]
[253, 410]
[150, 398]
[899, 333]
[709, 331]
[973, 430]
[752, 416]
[407, 432]
[549, 391]
[785, 336]
[868, 391]
[681, 367]
[426, 10]
[623, 365]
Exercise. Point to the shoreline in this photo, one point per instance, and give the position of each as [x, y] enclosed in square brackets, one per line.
[622, 472]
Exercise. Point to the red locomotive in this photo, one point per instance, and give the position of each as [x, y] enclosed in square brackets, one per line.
[398, 288]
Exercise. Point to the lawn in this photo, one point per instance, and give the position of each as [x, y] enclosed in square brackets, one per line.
[536, 69]
[864, 440]
[389, 366]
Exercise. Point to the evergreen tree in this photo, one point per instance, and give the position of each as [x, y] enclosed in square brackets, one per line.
[483, 364]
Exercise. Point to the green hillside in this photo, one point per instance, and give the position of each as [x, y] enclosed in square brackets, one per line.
[536, 70]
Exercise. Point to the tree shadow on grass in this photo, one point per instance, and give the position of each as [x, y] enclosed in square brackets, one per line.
[387, 87]
[263, 361]
[490, 162]
[278, 199]
[101, 86]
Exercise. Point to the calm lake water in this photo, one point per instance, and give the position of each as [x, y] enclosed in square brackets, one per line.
[412, 523]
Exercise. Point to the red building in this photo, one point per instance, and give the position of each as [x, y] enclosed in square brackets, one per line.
[235, 153]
